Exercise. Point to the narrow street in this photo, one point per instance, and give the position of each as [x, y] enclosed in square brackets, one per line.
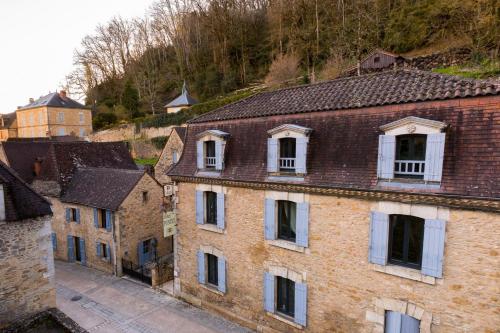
[100, 302]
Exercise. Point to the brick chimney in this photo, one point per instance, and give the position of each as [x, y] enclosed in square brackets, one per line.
[62, 94]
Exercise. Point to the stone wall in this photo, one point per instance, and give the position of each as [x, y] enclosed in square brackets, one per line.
[26, 269]
[164, 163]
[345, 292]
[129, 132]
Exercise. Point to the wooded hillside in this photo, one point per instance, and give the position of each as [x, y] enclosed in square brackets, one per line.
[131, 68]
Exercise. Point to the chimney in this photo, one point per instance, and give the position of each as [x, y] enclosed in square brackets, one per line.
[32, 99]
[62, 94]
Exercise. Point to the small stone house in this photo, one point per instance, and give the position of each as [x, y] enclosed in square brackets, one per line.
[183, 101]
[170, 154]
[26, 263]
[8, 126]
[363, 204]
[106, 211]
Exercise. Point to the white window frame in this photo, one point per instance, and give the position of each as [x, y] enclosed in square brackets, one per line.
[211, 135]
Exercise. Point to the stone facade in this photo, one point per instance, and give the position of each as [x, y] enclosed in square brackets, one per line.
[134, 221]
[173, 145]
[345, 292]
[26, 269]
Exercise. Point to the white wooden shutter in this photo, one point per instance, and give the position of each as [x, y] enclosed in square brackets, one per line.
[199, 155]
[272, 155]
[433, 249]
[201, 267]
[221, 270]
[219, 154]
[300, 303]
[220, 211]
[200, 215]
[302, 224]
[386, 156]
[434, 156]
[300, 155]
[269, 221]
[268, 292]
[379, 235]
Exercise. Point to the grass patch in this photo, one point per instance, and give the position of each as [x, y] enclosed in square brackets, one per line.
[146, 161]
[484, 70]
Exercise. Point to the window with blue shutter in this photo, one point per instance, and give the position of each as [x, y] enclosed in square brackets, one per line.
[140, 253]
[272, 155]
[300, 303]
[269, 293]
[109, 220]
[220, 211]
[434, 157]
[98, 249]
[71, 248]
[77, 215]
[108, 252]
[83, 257]
[221, 272]
[96, 218]
[201, 266]
[396, 322]
[269, 219]
[54, 241]
[386, 156]
[302, 233]
[200, 215]
[219, 155]
[301, 155]
[68, 215]
[200, 159]
[433, 248]
[379, 232]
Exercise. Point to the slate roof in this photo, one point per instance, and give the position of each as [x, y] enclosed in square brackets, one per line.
[104, 188]
[184, 99]
[54, 100]
[382, 88]
[21, 202]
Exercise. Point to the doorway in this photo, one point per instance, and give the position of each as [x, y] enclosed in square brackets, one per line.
[78, 252]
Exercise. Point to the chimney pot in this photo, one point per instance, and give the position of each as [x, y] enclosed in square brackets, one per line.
[62, 93]
[32, 99]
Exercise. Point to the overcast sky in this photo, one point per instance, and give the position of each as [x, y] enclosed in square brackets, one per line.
[38, 37]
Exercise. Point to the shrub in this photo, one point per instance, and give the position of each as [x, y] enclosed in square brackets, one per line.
[284, 68]
[159, 142]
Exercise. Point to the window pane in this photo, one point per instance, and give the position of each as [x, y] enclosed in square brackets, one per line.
[212, 273]
[211, 207]
[415, 240]
[287, 147]
[397, 231]
[210, 148]
[419, 147]
[285, 296]
[406, 237]
[403, 148]
[287, 220]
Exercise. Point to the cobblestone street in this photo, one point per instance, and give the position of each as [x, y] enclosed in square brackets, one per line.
[100, 302]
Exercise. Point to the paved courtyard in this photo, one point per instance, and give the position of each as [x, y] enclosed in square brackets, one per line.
[100, 302]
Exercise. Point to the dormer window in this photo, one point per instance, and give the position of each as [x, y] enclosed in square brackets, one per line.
[411, 148]
[210, 149]
[287, 150]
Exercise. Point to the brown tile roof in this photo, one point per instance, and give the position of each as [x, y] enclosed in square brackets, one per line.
[383, 88]
[21, 202]
[342, 152]
[101, 187]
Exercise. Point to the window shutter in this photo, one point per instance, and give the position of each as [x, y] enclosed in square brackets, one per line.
[393, 322]
[98, 249]
[54, 241]
[268, 292]
[200, 215]
[140, 255]
[386, 156]
[434, 155]
[71, 248]
[301, 303]
[219, 154]
[302, 224]
[269, 222]
[82, 252]
[108, 220]
[379, 235]
[108, 252]
[68, 215]
[272, 155]
[199, 155]
[201, 267]
[433, 249]
[78, 215]
[301, 155]
[220, 211]
[410, 324]
[96, 218]
[221, 270]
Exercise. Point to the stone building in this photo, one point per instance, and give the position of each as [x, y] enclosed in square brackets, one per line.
[8, 126]
[53, 115]
[363, 204]
[106, 211]
[170, 154]
[26, 262]
[183, 101]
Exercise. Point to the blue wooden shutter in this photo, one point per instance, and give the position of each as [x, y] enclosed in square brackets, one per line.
[269, 221]
[200, 163]
[96, 218]
[219, 155]
[78, 215]
[300, 303]
[201, 267]
[409, 324]
[68, 214]
[301, 155]
[54, 241]
[433, 249]
[221, 270]
[386, 156]
[434, 156]
[272, 155]
[83, 257]
[268, 292]
[98, 249]
[302, 224]
[393, 322]
[379, 235]
[140, 255]
[220, 211]
[200, 215]
[108, 252]
[108, 220]
[71, 248]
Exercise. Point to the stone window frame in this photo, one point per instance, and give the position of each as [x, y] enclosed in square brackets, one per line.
[421, 211]
[380, 305]
[216, 136]
[60, 117]
[216, 189]
[287, 196]
[287, 273]
[209, 249]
